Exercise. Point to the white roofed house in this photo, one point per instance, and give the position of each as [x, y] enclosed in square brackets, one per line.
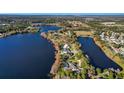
[121, 38]
[113, 35]
[122, 41]
[122, 51]
[66, 49]
[66, 46]
[73, 67]
[115, 49]
[102, 36]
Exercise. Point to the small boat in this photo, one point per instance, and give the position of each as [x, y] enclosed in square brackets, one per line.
[87, 56]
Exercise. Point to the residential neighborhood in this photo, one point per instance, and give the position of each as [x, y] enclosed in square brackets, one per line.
[115, 40]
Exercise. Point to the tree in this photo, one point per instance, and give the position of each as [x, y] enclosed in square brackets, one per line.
[98, 70]
[78, 76]
[71, 75]
[83, 76]
[105, 70]
[83, 73]
[67, 72]
[62, 74]
[120, 75]
[111, 75]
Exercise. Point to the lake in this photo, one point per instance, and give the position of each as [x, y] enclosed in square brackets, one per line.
[96, 56]
[26, 56]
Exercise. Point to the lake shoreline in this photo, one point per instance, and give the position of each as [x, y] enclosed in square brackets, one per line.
[57, 62]
[4, 35]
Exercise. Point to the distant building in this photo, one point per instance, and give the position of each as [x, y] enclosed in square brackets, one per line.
[108, 23]
[89, 19]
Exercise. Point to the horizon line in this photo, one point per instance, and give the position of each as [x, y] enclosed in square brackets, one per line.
[77, 14]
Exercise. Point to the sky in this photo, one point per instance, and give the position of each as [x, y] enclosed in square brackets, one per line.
[78, 14]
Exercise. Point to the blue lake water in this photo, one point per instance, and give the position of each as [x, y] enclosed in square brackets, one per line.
[96, 55]
[26, 55]
[46, 28]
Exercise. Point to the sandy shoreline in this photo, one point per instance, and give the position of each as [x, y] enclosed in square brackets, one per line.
[57, 62]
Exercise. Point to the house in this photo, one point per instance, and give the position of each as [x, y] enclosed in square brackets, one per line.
[0, 34]
[122, 51]
[115, 49]
[66, 66]
[70, 66]
[117, 71]
[102, 36]
[66, 46]
[66, 50]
